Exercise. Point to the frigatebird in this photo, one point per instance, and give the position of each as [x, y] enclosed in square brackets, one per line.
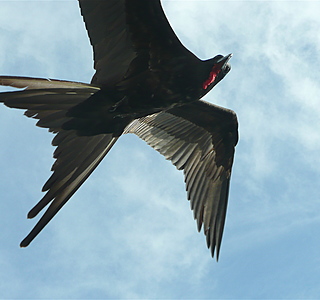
[147, 83]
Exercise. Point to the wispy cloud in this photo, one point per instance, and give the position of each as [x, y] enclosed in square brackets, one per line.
[128, 232]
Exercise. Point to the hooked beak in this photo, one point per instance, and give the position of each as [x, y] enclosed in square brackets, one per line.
[223, 63]
[218, 71]
[225, 59]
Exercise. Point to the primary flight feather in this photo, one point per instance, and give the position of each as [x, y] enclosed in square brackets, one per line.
[147, 83]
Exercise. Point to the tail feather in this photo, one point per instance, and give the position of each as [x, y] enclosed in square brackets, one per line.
[49, 101]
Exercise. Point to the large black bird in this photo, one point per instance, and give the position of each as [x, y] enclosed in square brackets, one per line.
[146, 83]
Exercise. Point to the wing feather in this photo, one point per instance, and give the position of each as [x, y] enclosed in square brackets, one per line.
[76, 156]
[201, 144]
[126, 35]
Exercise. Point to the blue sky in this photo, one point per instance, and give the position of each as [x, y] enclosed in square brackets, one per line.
[129, 231]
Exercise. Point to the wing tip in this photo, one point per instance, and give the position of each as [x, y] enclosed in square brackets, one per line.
[25, 242]
[32, 213]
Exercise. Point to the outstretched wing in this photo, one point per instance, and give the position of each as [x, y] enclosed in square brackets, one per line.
[126, 35]
[76, 156]
[198, 138]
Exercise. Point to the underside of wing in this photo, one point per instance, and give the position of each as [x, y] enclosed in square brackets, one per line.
[203, 147]
[42, 83]
[112, 46]
[125, 35]
[45, 99]
[76, 156]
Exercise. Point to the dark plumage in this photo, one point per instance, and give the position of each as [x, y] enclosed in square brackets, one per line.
[146, 83]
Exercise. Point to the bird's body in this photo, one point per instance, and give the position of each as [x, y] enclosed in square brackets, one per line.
[159, 88]
[147, 83]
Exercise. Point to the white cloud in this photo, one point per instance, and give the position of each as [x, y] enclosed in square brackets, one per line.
[114, 239]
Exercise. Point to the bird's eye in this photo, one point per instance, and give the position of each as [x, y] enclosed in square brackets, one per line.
[226, 69]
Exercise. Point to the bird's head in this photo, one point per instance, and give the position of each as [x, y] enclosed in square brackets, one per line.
[216, 69]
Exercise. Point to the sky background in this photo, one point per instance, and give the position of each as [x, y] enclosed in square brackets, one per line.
[129, 231]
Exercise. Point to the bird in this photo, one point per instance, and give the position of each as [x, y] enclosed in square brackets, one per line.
[146, 82]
